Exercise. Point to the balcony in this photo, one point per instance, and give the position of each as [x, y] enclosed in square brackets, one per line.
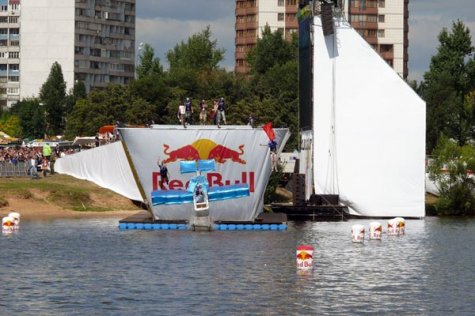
[246, 11]
[240, 55]
[365, 25]
[363, 11]
[14, 37]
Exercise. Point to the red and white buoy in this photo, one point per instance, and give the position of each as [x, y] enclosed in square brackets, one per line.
[401, 225]
[8, 225]
[304, 257]
[375, 230]
[16, 218]
[357, 233]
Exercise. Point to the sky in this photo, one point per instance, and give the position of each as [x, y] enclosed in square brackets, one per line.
[165, 23]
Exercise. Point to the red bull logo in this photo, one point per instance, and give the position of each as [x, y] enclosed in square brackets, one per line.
[214, 179]
[204, 149]
[303, 255]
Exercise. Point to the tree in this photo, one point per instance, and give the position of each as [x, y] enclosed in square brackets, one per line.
[53, 96]
[10, 124]
[31, 114]
[452, 170]
[77, 93]
[104, 107]
[450, 78]
[270, 50]
[149, 64]
[198, 53]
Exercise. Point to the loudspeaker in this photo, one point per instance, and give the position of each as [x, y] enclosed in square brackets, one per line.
[327, 19]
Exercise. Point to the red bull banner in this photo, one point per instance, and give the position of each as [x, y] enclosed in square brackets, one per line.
[241, 156]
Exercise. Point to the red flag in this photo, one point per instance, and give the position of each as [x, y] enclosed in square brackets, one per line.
[269, 130]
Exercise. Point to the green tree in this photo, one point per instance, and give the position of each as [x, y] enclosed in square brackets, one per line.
[148, 64]
[198, 53]
[103, 107]
[77, 93]
[450, 78]
[31, 114]
[270, 50]
[53, 96]
[10, 124]
[451, 169]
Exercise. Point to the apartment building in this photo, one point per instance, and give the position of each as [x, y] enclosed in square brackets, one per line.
[384, 25]
[9, 52]
[251, 18]
[92, 40]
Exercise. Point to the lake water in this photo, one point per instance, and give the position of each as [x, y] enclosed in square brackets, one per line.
[90, 267]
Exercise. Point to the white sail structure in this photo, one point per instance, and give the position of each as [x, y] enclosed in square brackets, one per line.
[368, 128]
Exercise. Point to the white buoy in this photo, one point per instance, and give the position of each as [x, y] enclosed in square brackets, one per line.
[16, 217]
[304, 257]
[357, 233]
[375, 230]
[401, 225]
[392, 228]
[8, 225]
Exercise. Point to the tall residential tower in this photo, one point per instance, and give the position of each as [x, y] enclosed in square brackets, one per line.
[251, 18]
[92, 40]
[382, 23]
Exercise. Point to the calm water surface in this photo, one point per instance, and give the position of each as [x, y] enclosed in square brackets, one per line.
[89, 267]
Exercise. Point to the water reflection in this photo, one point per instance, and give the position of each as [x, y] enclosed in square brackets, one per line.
[90, 267]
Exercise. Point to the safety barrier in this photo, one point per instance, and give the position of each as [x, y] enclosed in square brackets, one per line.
[9, 170]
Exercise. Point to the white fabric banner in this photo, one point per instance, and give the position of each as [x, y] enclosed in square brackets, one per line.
[106, 166]
[369, 128]
[241, 154]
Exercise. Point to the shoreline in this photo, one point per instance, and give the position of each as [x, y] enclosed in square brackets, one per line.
[31, 210]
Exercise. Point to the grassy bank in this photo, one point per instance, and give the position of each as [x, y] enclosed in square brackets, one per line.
[65, 192]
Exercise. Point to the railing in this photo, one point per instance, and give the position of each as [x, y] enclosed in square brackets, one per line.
[9, 170]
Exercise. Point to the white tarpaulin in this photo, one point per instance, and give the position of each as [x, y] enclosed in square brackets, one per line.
[241, 154]
[106, 166]
[369, 128]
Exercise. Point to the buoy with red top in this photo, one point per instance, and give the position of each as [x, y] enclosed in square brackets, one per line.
[357, 233]
[8, 225]
[392, 228]
[375, 230]
[304, 257]
[16, 217]
[401, 225]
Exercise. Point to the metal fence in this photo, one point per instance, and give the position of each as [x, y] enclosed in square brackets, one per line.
[9, 170]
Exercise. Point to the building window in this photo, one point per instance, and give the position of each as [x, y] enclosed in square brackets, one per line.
[380, 33]
[280, 16]
[280, 3]
[381, 18]
[14, 55]
[13, 19]
[291, 2]
[13, 78]
[381, 3]
[14, 67]
[13, 90]
[372, 18]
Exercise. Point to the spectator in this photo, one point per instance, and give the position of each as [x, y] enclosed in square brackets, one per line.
[203, 111]
[221, 113]
[188, 111]
[182, 115]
